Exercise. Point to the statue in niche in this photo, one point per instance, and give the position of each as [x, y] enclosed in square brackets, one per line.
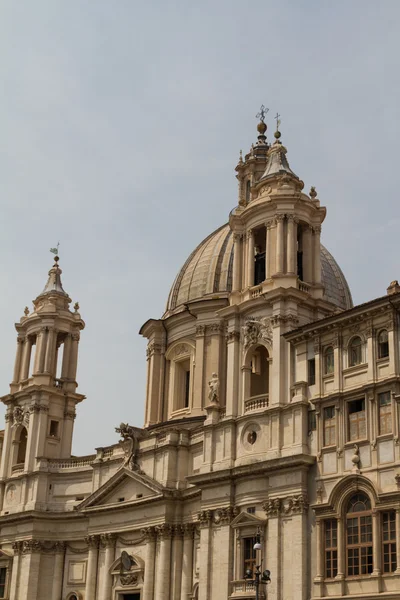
[213, 384]
[130, 443]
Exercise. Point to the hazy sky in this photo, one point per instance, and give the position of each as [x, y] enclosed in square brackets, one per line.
[121, 125]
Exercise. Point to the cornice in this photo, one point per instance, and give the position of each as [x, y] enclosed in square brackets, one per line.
[269, 466]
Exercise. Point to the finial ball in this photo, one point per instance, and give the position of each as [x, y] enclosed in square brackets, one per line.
[277, 134]
[313, 192]
[262, 127]
[56, 258]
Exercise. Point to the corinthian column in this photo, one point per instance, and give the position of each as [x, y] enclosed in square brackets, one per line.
[187, 565]
[91, 575]
[176, 560]
[108, 542]
[26, 358]
[376, 541]
[58, 571]
[50, 351]
[250, 258]
[307, 254]
[18, 358]
[66, 356]
[317, 254]
[149, 567]
[291, 244]
[163, 563]
[73, 363]
[268, 226]
[279, 243]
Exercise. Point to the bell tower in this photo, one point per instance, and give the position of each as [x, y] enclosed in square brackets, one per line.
[276, 226]
[42, 399]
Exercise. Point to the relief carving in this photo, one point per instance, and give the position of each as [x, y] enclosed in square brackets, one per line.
[257, 329]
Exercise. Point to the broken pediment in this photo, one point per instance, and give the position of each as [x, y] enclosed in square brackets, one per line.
[124, 486]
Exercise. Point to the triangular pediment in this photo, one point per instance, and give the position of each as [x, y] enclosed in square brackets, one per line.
[124, 486]
[245, 519]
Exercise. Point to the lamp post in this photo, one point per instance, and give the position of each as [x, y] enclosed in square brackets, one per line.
[258, 577]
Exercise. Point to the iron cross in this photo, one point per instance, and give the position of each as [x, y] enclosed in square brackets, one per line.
[262, 113]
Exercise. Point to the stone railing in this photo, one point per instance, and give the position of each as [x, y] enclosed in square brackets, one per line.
[18, 468]
[71, 463]
[256, 291]
[256, 403]
[303, 287]
[241, 587]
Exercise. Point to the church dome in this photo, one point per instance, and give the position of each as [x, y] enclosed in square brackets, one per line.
[208, 271]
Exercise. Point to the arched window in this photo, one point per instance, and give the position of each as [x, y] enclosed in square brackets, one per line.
[383, 344]
[355, 352]
[259, 379]
[329, 361]
[359, 556]
[23, 436]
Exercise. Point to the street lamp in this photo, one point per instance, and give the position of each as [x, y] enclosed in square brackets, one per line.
[258, 577]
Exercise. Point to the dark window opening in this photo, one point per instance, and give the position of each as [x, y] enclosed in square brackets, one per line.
[23, 438]
[259, 268]
[311, 371]
[187, 388]
[251, 510]
[300, 266]
[248, 185]
[383, 344]
[249, 554]
[3, 577]
[54, 428]
[312, 421]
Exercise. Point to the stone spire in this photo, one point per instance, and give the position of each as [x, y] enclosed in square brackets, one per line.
[277, 163]
[54, 281]
[53, 293]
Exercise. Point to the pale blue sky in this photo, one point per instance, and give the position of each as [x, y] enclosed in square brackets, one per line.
[121, 124]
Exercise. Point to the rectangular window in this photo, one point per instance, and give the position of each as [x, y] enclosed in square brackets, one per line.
[249, 554]
[53, 429]
[389, 541]
[359, 545]
[3, 576]
[385, 413]
[331, 560]
[357, 420]
[311, 371]
[312, 421]
[329, 426]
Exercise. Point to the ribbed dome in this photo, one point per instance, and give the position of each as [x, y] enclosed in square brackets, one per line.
[208, 270]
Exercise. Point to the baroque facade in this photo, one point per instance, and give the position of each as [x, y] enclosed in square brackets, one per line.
[272, 408]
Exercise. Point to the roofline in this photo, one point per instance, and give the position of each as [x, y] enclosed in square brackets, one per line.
[389, 299]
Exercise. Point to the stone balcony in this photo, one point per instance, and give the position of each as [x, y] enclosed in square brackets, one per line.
[245, 590]
[253, 403]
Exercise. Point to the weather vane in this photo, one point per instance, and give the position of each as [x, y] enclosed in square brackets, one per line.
[278, 121]
[262, 113]
[55, 250]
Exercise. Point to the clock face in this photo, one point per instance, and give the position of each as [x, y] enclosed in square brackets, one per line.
[126, 560]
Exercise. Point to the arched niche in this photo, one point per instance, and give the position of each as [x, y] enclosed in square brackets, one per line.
[20, 442]
[256, 377]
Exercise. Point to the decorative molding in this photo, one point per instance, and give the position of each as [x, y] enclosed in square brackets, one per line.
[92, 541]
[70, 415]
[317, 344]
[181, 349]
[290, 505]
[108, 540]
[164, 531]
[153, 348]
[224, 516]
[215, 328]
[200, 330]
[140, 540]
[129, 579]
[272, 507]
[257, 329]
[232, 336]
[205, 518]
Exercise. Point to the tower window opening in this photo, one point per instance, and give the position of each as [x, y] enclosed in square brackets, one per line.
[53, 429]
[259, 376]
[311, 371]
[248, 186]
[60, 356]
[32, 358]
[300, 274]
[187, 388]
[182, 384]
[22, 443]
[259, 255]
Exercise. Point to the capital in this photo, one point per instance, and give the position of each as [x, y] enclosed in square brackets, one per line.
[279, 218]
[108, 540]
[92, 541]
[149, 533]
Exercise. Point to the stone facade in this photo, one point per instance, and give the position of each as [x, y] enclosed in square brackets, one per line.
[272, 408]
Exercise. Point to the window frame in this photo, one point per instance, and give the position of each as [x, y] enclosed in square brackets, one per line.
[389, 544]
[387, 415]
[362, 528]
[329, 369]
[349, 423]
[331, 550]
[383, 347]
[329, 428]
[248, 563]
[352, 362]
